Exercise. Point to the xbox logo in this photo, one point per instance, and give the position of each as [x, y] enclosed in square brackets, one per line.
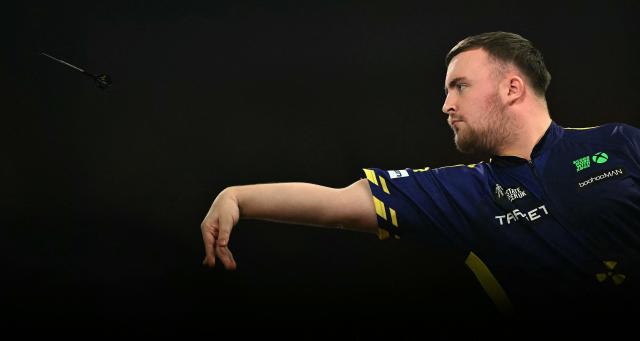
[600, 157]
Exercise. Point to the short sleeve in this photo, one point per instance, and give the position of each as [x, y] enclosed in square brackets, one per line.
[409, 202]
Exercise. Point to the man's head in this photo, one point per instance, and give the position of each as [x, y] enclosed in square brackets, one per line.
[487, 76]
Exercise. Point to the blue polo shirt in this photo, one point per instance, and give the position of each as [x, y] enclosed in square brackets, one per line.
[563, 227]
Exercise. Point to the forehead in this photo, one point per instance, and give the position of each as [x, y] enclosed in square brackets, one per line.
[470, 64]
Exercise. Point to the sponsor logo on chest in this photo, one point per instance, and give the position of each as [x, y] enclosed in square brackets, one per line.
[585, 162]
[516, 214]
[599, 177]
[505, 198]
[510, 193]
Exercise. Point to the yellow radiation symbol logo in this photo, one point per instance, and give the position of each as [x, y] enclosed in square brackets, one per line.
[617, 278]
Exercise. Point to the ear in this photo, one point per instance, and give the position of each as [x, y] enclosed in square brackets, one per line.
[515, 88]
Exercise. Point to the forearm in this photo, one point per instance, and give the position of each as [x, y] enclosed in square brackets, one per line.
[351, 207]
[296, 203]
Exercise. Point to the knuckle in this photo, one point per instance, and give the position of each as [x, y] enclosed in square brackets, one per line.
[208, 224]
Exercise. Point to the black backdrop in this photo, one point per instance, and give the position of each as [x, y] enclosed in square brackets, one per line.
[103, 191]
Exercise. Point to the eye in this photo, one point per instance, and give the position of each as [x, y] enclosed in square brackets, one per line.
[460, 86]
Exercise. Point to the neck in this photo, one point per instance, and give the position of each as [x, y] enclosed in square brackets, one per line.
[529, 129]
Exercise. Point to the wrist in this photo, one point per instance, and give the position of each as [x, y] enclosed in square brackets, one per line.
[232, 194]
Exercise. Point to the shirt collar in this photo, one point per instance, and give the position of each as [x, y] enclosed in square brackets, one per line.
[550, 137]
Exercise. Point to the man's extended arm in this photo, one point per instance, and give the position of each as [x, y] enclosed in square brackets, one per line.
[296, 203]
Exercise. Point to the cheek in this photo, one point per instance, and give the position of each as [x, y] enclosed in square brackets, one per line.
[473, 109]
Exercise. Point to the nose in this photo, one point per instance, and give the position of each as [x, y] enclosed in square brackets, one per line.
[448, 107]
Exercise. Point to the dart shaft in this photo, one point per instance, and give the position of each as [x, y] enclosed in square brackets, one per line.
[65, 63]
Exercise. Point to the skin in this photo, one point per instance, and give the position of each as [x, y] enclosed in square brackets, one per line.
[296, 203]
[490, 108]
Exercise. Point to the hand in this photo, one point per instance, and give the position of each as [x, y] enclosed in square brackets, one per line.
[216, 229]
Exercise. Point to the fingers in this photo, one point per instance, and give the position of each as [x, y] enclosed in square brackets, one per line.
[216, 230]
[222, 250]
[226, 223]
[226, 257]
[208, 237]
[216, 239]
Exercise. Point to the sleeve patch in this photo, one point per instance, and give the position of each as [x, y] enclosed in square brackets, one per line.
[398, 173]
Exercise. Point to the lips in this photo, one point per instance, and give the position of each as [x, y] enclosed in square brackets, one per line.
[453, 122]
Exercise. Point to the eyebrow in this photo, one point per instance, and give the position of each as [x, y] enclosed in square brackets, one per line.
[453, 83]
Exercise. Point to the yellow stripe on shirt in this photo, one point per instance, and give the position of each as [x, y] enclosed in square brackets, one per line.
[394, 219]
[489, 283]
[379, 205]
[384, 185]
[371, 175]
[585, 128]
[383, 234]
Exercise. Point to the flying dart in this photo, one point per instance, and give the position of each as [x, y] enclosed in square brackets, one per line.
[102, 80]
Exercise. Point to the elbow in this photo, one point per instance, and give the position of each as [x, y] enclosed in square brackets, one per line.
[355, 208]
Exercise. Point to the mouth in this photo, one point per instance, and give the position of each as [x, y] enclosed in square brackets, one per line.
[453, 123]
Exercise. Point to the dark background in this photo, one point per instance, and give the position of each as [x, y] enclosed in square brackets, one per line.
[103, 191]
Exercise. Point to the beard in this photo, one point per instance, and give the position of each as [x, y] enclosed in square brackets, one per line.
[493, 130]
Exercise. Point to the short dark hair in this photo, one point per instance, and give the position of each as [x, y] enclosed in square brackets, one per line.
[509, 48]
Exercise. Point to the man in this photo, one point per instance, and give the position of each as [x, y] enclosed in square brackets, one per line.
[551, 221]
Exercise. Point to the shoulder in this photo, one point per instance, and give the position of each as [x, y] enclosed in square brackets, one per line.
[474, 170]
[614, 130]
[464, 176]
[461, 174]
